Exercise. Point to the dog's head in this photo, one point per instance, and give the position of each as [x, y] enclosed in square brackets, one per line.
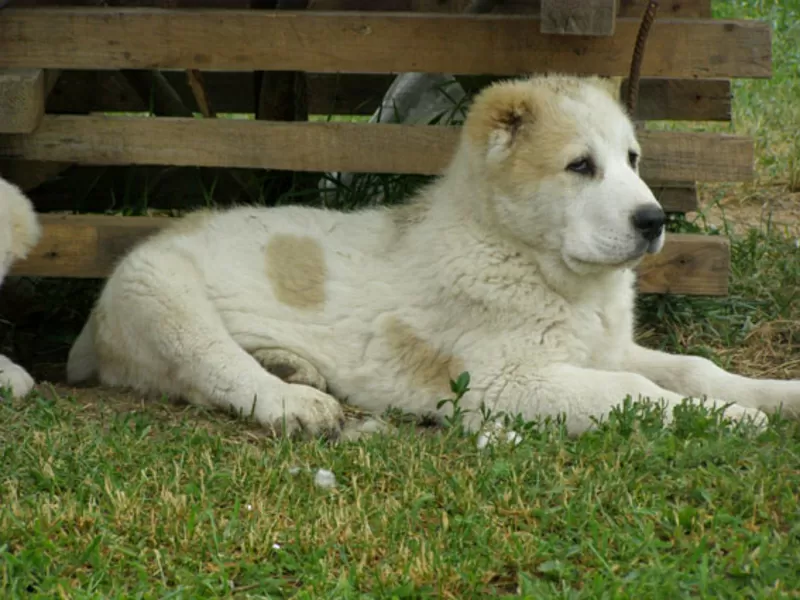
[19, 227]
[560, 160]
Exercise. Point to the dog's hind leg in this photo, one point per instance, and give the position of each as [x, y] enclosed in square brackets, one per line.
[157, 331]
[290, 367]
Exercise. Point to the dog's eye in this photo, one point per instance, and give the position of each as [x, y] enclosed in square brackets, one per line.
[633, 159]
[582, 166]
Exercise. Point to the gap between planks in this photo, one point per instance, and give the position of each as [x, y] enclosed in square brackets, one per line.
[232, 92]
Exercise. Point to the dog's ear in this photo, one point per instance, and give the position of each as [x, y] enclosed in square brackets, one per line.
[25, 228]
[499, 115]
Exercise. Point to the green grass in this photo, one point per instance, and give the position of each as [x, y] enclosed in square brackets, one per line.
[152, 502]
[103, 496]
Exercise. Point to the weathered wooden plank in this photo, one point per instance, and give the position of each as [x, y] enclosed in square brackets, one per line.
[88, 246]
[676, 197]
[79, 92]
[22, 99]
[359, 147]
[683, 99]
[369, 43]
[578, 17]
[689, 264]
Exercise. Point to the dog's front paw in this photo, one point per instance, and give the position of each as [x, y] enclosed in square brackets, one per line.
[303, 410]
[736, 412]
[15, 378]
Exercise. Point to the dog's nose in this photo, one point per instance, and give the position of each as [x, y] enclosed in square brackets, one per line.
[649, 221]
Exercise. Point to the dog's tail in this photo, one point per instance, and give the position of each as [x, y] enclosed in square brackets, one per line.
[82, 361]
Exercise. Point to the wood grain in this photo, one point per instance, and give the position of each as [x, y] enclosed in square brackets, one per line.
[689, 264]
[683, 99]
[675, 197]
[359, 147]
[88, 246]
[87, 38]
[22, 99]
[578, 17]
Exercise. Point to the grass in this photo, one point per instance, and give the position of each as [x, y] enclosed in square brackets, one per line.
[104, 496]
[156, 502]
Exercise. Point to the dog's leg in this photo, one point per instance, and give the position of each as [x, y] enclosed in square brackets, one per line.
[156, 330]
[697, 376]
[581, 395]
[14, 378]
[289, 367]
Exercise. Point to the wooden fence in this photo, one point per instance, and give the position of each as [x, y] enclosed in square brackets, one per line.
[60, 70]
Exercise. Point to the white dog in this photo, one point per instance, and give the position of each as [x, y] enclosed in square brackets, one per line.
[19, 233]
[516, 266]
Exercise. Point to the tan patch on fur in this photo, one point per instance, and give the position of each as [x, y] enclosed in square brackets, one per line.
[513, 120]
[524, 105]
[427, 367]
[297, 271]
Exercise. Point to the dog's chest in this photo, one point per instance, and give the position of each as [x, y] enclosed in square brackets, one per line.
[599, 333]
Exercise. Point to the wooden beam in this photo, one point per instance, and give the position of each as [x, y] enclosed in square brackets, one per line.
[689, 264]
[358, 147]
[22, 99]
[683, 99]
[23, 96]
[578, 17]
[84, 38]
[676, 197]
[88, 246]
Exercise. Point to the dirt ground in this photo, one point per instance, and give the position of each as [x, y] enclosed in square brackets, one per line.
[745, 209]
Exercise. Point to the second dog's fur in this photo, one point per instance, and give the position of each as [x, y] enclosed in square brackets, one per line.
[19, 233]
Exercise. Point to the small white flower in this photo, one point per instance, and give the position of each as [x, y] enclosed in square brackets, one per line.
[483, 441]
[249, 507]
[324, 478]
[276, 546]
[513, 437]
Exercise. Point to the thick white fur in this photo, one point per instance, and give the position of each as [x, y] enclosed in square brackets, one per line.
[509, 266]
[19, 232]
